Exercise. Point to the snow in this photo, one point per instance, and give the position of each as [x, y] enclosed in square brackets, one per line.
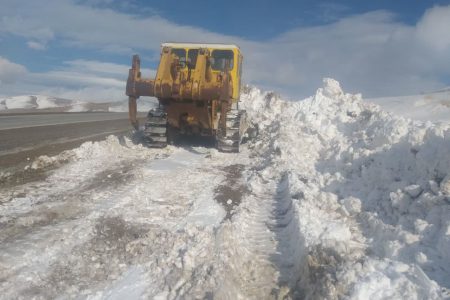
[79, 107]
[45, 102]
[334, 198]
[425, 107]
[28, 102]
[143, 105]
[25, 102]
[350, 160]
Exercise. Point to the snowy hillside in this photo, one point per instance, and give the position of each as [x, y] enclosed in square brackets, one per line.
[333, 199]
[143, 105]
[427, 107]
[35, 102]
[40, 103]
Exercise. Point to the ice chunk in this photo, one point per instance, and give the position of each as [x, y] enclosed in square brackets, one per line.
[413, 190]
[352, 205]
[445, 185]
[434, 187]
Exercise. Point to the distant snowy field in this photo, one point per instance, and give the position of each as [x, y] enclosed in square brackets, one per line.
[433, 107]
[40, 102]
[335, 198]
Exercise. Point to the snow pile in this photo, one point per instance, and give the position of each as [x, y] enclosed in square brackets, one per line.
[44, 161]
[370, 190]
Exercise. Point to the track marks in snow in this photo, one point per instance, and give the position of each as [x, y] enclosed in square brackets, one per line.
[261, 251]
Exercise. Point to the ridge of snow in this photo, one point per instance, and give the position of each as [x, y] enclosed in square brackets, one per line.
[349, 159]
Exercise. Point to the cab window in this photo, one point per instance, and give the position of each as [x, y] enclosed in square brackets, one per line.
[220, 58]
[192, 58]
[181, 53]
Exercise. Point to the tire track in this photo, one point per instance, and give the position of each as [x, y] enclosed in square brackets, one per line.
[262, 253]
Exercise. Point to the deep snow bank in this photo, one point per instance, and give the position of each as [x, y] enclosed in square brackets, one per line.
[371, 191]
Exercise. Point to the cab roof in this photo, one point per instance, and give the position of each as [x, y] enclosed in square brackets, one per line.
[200, 45]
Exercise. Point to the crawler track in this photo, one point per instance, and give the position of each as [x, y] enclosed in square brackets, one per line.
[230, 140]
[155, 130]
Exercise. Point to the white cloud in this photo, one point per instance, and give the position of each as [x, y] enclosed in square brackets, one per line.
[433, 28]
[10, 72]
[372, 53]
[78, 79]
[92, 27]
[88, 93]
[98, 67]
[36, 45]
[24, 26]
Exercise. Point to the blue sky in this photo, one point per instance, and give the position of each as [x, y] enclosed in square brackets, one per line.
[82, 48]
[264, 19]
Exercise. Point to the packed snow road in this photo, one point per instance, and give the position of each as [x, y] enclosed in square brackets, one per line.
[334, 198]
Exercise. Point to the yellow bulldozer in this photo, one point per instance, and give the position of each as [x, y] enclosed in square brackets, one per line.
[198, 90]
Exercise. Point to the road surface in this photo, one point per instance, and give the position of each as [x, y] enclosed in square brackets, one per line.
[25, 137]
[32, 120]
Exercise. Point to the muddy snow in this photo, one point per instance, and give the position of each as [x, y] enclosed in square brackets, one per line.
[333, 199]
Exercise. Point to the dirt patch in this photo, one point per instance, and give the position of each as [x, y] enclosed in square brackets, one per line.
[26, 172]
[320, 281]
[61, 206]
[111, 178]
[115, 245]
[42, 216]
[22, 176]
[230, 192]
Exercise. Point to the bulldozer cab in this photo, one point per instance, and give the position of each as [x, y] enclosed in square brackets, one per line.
[222, 58]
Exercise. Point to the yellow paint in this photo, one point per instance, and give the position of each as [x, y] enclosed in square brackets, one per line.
[190, 119]
[201, 76]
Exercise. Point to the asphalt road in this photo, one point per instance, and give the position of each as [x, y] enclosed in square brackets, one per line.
[32, 120]
[25, 137]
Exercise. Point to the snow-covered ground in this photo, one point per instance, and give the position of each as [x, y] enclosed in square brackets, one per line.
[426, 107]
[334, 198]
